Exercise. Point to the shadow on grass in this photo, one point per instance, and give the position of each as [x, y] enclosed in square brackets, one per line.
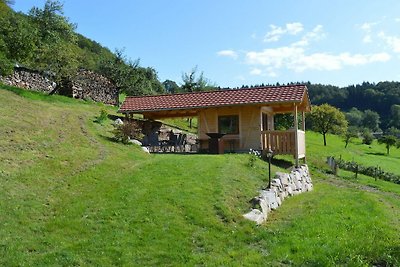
[114, 117]
[376, 153]
[282, 163]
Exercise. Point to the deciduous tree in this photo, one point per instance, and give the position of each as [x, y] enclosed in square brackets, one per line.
[349, 134]
[371, 120]
[389, 141]
[327, 119]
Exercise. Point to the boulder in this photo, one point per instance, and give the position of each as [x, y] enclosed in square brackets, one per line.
[135, 142]
[255, 215]
[145, 149]
[118, 122]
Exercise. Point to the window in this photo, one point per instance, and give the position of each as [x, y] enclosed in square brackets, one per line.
[228, 124]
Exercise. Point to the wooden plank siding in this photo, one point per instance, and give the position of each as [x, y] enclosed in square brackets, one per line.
[249, 127]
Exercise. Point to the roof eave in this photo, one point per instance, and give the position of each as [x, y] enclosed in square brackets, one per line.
[214, 106]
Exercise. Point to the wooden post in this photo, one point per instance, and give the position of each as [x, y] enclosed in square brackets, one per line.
[296, 138]
[303, 121]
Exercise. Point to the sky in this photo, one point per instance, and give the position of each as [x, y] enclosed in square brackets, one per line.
[237, 42]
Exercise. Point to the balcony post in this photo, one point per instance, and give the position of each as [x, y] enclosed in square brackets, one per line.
[296, 138]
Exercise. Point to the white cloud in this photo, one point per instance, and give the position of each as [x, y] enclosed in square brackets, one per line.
[367, 27]
[256, 71]
[228, 53]
[367, 39]
[316, 34]
[296, 59]
[392, 41]
[277, 32]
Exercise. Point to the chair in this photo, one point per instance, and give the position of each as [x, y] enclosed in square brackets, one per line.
[153, 142]
[181, 143]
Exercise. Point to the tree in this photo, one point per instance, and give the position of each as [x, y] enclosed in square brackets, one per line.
[351, 132]
[395, 116]
[389, 141]
[367, 136]
[371, 120]
[327, 119]
[171, 87]
[354, 117]
[129, 76]
[56, 48]
[192, 83]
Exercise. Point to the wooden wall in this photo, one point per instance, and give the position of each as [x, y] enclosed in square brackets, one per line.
[249, 127]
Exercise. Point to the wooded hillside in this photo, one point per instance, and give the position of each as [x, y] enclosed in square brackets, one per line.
[45, 40]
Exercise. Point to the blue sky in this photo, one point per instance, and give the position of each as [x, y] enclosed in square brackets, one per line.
[236, 42]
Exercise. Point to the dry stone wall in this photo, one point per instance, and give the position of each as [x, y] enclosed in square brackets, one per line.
[86, 85]
[282, 186]
[29, 79]
[91, 86]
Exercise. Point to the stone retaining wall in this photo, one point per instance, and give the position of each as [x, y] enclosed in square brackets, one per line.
[282, 186]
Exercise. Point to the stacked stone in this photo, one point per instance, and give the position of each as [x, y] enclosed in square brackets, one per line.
[92, 86]
[282, 186]
[31, 80]
[86, 85]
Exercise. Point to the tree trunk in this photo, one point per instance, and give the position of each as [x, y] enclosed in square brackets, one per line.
[324, 139]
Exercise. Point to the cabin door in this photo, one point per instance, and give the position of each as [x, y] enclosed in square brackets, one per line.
[264, 122]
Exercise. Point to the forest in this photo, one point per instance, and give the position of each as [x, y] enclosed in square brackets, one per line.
[45, 40]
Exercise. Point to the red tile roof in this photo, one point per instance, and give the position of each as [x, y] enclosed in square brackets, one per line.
[229, 97]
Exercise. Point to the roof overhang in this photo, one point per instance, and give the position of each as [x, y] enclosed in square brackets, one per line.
[302, 103]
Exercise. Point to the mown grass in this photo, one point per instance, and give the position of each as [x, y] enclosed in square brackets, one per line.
[367, 155]
[71, 196]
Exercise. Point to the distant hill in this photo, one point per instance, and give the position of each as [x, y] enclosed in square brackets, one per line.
[383, 97]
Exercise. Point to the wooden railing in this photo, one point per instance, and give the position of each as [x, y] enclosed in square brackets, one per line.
[284, 142]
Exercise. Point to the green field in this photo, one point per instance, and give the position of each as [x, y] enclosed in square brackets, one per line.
[71, 196]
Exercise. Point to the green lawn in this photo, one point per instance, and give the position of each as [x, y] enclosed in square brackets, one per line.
[368, 155]
[71, 196]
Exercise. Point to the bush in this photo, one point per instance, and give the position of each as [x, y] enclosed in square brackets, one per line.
[367, 137]
[129, 130]
[253, 156]
[372, 171]
[102, 117]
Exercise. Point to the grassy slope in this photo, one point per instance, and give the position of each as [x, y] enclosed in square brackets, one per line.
[72, 197]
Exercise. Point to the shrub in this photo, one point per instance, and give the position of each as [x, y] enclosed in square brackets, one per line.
[129, 130]
[102, 117]
[253, 156]
[367, 137]
[372, 171]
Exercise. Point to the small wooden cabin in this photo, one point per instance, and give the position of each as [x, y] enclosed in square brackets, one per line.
[245, 116]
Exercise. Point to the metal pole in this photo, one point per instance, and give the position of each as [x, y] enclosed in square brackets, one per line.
[269, 172]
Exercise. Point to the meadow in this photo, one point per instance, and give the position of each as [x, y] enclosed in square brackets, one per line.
[71, 196]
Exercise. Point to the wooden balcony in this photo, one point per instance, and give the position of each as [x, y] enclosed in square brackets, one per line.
[285, 142]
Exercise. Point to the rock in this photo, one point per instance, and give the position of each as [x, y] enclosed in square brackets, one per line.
[255, 215]
[277, 183]
[145, 149]
[284, 185]
[284, 177]
[270, 195]
[264, 204]
[135, 142]
[118, 122]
